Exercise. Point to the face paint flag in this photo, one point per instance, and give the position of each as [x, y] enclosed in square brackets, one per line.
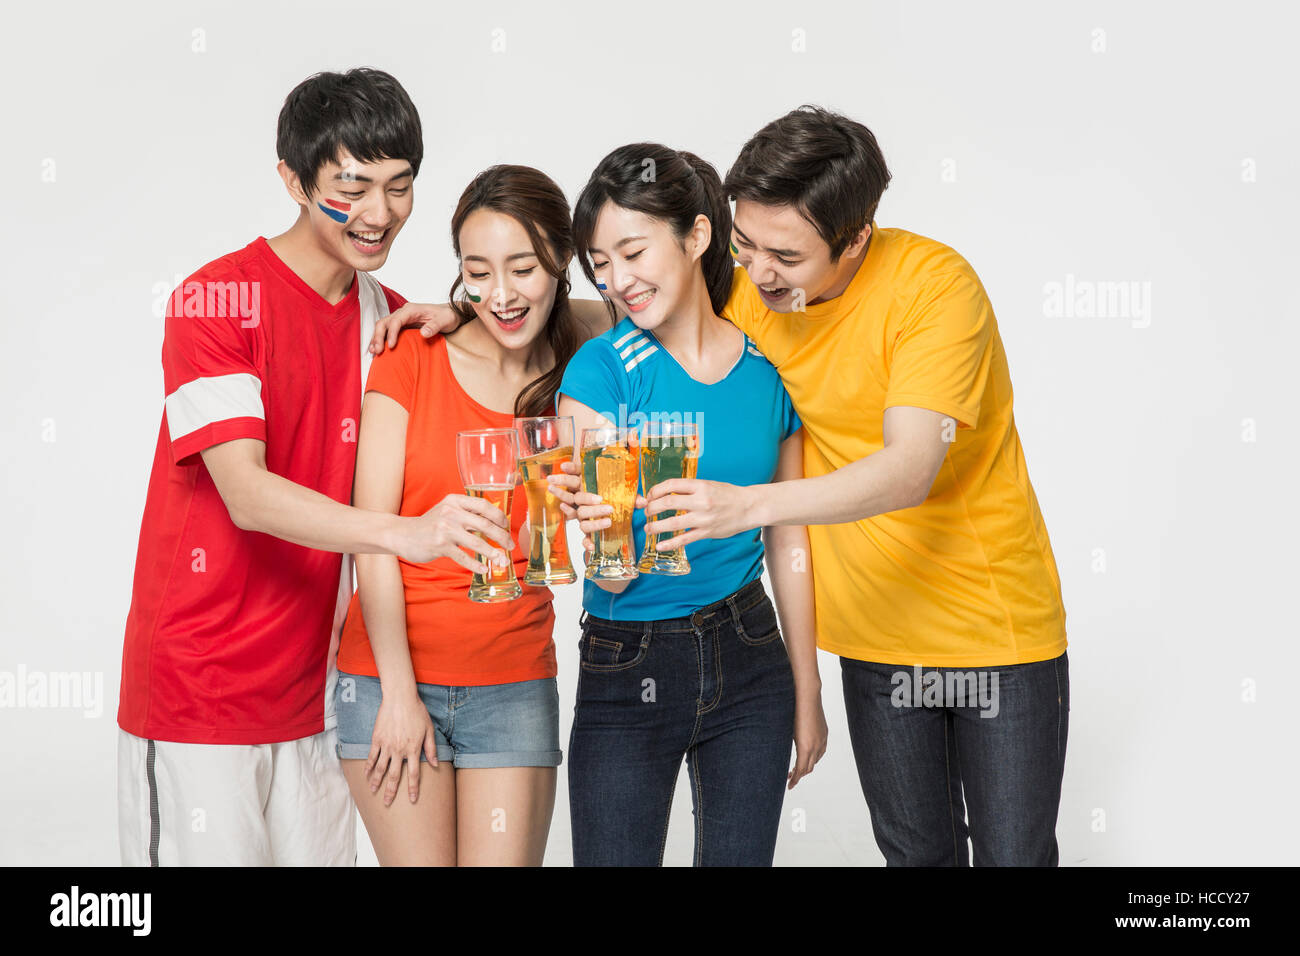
[474, 292]
[338, 213]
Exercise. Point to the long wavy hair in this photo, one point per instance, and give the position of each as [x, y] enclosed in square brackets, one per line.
[532, 199]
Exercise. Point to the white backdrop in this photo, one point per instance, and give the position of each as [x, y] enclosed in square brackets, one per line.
[1058, 147]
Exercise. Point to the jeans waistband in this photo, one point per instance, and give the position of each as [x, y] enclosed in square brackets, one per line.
[731, 606]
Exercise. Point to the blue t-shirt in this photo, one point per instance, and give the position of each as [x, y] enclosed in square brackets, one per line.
[627, 376]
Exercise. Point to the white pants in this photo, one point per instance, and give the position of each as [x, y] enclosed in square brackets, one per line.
[284, 804]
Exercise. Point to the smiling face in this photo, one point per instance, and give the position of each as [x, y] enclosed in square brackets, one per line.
[642, 267]
[783, 252]
[358, 208]
[502, 271]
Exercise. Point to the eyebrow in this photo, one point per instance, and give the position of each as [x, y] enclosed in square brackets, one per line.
[783, 253]
[339, 177]
[509, 258]
[618, 245]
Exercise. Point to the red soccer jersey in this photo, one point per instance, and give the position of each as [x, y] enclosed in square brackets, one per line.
[228, 636]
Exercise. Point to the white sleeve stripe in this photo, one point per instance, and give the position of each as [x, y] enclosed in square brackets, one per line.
[203, 401]
[633, 347]
[625, 337]
[628, 366]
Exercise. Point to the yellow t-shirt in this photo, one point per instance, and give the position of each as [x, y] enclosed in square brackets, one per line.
[966, 579]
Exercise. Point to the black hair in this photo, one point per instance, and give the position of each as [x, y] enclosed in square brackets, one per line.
[825, 165]
[364, 111]
[669, 185]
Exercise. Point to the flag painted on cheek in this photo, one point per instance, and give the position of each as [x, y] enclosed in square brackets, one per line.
[474, 292]
[340, 211]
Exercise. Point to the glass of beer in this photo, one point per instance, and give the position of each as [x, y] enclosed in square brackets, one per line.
[670, 450]
[488, 459]
[544, 443]
[609, 469]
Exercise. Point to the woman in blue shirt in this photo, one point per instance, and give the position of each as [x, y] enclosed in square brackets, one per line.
[689, 666]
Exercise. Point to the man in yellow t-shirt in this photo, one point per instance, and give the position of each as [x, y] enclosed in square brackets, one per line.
[933, 574]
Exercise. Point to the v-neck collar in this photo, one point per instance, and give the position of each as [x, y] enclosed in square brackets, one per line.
[345, 307]
[745, 347]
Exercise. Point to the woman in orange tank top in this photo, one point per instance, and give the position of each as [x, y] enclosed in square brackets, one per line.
[448, 709]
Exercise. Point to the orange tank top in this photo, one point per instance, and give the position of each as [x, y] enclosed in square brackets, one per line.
[453, 640]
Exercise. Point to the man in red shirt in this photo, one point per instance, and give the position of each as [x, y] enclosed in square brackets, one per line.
[226, 749]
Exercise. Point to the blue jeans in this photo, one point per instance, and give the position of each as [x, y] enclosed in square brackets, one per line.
[715, 688]
[996, 739]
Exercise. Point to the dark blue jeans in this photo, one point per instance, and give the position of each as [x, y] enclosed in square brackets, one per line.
[715, 688]
[919, 751]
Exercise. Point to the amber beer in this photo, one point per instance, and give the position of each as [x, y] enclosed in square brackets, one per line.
[497, 583]
[488, 461]
[545, 444]
[609, 469]
[670, 450]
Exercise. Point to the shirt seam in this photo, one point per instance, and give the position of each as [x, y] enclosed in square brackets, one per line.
[1047, 651]
[154, 731]
[984, 555]
[968, 416]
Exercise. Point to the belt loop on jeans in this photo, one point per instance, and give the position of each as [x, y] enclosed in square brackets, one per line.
[735, 614]
[582, 619]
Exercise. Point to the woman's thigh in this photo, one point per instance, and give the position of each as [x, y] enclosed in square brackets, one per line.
[405, 833]
[503, 815]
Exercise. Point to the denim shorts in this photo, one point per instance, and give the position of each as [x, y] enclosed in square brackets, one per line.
[490, 725]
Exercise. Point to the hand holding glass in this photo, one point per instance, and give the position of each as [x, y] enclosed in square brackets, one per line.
[610, 469]
[488, 459]
[670, 450]
[544, 444]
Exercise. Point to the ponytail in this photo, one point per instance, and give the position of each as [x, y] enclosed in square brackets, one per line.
[716, 262]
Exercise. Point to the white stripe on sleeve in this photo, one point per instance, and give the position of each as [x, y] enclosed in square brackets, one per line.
[217, 398]
[639, 356]
[633, 347]
[619, 343]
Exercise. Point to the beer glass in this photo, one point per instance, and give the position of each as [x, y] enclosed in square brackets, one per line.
[609, 469]
[488, 459]
[543, 444]
[669, 450]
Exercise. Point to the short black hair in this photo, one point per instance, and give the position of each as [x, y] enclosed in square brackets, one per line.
[825, 165]
[364, 111]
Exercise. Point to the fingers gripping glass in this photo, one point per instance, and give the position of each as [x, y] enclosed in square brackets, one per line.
[610, 469]
[544, 444]
[488, 459]
[670, 450]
